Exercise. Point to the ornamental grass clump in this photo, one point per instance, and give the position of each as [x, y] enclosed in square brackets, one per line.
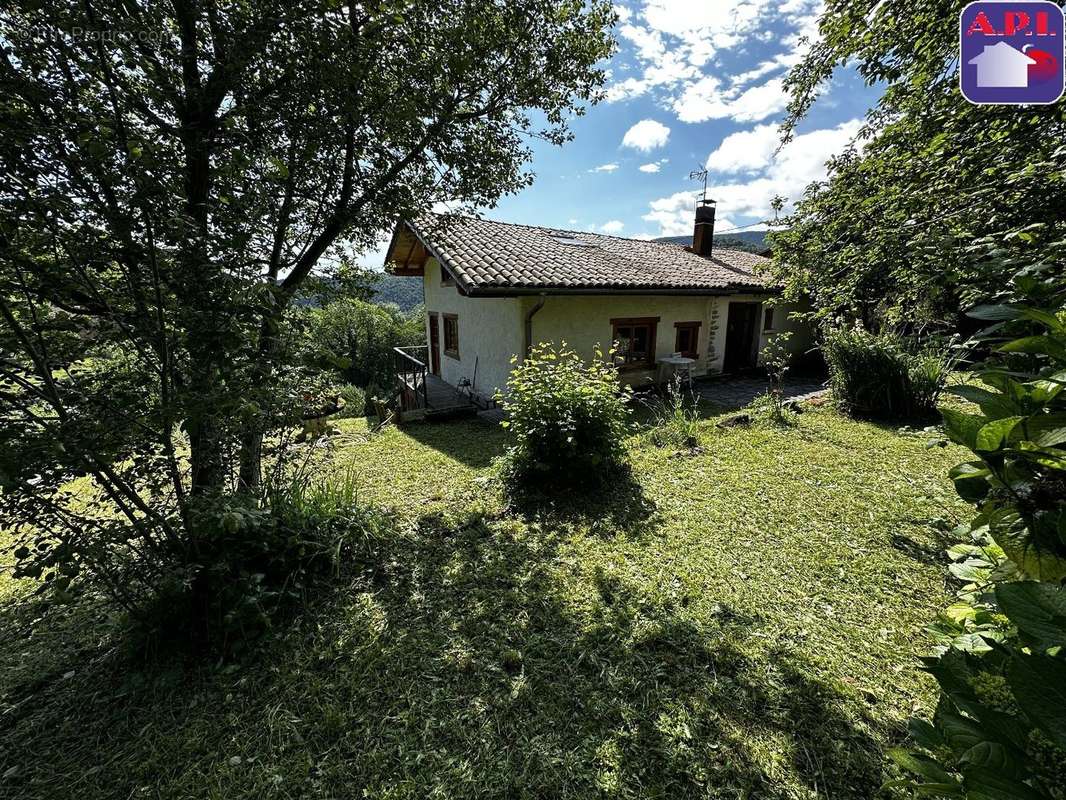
[676, 417]
[569, 419]
[883, 376]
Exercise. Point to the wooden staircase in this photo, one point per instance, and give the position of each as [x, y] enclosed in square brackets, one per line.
[423, 395]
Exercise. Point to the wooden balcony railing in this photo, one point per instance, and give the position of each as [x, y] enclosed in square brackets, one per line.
[411, 379]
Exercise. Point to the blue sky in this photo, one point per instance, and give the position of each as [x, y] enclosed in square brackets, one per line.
[694, 83]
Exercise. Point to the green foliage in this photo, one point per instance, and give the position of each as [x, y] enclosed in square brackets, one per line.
[776, 360]
[569, 421]
[355, 338]
[940, 200]
[884, 376]
[173, 176]
[770, 409]
[403, 292]
[254, 563]
[1000, 727]
[675, 417]
[354, 401]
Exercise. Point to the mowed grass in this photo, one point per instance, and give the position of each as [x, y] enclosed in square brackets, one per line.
[743, 625]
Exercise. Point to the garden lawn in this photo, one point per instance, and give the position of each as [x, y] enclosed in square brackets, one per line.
[745, 624]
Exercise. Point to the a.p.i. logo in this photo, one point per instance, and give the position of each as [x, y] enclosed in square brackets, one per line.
[1012, 53]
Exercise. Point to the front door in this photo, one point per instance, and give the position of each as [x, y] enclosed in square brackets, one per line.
[434, 344]
[740, 345]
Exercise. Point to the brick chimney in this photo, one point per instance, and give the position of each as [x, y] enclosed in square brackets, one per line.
[703, 236]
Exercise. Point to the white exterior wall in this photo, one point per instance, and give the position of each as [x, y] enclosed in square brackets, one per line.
[802, 338]
[490, 332]
[584, 321]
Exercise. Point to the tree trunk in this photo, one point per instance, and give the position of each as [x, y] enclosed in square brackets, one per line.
[251, 459]
[207, 463]
[250, 472]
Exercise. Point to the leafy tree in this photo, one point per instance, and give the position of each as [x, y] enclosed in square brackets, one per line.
[174, 172]
[357, 337]
[940, 199]
[943, 205]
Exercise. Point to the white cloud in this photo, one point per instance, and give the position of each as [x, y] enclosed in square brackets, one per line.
[797, 165]
[667, 69]
[605, 167]
[649, 43]
[745, 151]
[672, 42]
[646, 135]
[653, 166]
[615, 226]
[807, 7]
[706, 99]
[676, 215]
[673, 39]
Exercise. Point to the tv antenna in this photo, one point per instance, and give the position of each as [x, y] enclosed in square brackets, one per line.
[700, 175]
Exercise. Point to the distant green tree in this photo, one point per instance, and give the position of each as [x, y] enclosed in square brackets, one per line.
[173, 174]
[357, 337]
[940, 201]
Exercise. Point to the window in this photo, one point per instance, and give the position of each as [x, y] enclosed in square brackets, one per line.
[446, 278]
[687, 339]
[768, 319]
[635, 340]
[573, 241]
[451, 335]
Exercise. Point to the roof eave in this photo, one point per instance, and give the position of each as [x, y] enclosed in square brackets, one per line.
[526, 291]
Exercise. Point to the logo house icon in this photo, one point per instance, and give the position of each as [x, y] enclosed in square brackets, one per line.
[1000, 66]
[1012, 53]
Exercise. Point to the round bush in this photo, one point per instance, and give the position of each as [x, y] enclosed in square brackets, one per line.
[568, 418]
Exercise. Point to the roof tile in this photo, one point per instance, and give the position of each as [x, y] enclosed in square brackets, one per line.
[488, 256]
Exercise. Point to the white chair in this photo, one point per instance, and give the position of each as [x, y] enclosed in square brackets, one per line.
[684, 375]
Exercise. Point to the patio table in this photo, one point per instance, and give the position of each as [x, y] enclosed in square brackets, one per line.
[674, 365]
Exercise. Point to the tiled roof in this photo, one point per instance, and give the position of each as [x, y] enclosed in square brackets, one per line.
[489, 257]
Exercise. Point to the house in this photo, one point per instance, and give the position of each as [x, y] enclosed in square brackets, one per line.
[493, 289]
[1000, 66]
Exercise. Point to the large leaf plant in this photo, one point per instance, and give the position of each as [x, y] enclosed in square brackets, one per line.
[999, 730]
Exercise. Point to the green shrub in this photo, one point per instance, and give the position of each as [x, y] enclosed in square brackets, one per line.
[255, 561]
[1000, 727]
[771, 410]
[770, 407]
[569, 421]
[354, 401]
[883, 376]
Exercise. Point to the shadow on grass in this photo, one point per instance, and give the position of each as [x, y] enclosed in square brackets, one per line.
[939, 537]
[619, 506]
[490, 659]
[473, 442]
